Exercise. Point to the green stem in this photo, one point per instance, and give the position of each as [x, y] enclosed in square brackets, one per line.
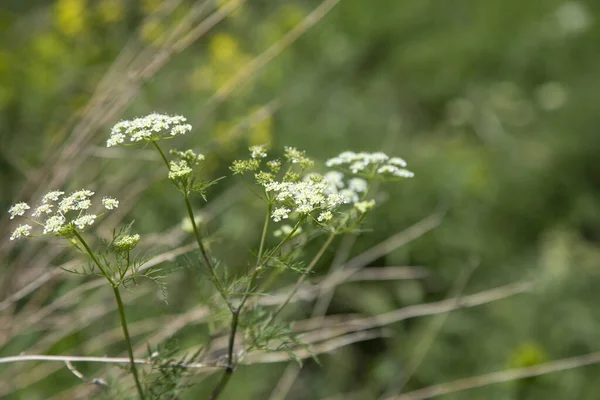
[92, 256]
[203, 252]
[264, 234]
[162, 155]
[133, 368]
[235, 312]
[121, 312]
[310, 267]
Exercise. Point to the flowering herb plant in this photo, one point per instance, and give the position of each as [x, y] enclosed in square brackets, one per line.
[300, 201]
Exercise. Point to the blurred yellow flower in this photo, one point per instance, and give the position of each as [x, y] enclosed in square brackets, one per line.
[224, 48]
[153, 31]
[110, 10]
[70, 16]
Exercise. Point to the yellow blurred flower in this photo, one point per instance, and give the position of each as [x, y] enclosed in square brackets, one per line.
[110, 10]
[153, 31]
[224, 48]
[70, 16]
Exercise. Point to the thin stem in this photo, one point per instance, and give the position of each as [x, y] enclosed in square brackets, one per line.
[162, 155]
[132, 365]
[235, 313]
[203, 252]
[310, 267]
[264, 234]
[92, 256]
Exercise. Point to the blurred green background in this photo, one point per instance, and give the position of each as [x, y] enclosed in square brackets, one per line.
[492, 103]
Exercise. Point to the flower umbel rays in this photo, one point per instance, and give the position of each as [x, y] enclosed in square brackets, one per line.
[147, 129]
[64, 217]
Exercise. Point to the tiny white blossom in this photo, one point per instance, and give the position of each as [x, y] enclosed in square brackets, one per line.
[87, 219]
[151, 127]
[335, 179]
[305, 208]
[115, 139]
[22, 230]
[179, 169]
[335, 199]
[397, 161]
[43, 209]
[357, 166]
[54, 224]
[78, 200]
[325, 216]
[52, 196]
[127, 242]
[109, 203]
[358, 185]
[258, 151]
[365, 206]
[18, 209]
[280, 213]
[349, 195]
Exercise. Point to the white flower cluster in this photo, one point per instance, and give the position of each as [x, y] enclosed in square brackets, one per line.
[149, 128]
[58, 211]
[371, 164]
[303, 198]
[351, 192]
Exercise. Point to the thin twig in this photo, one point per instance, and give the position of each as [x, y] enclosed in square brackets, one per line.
[106, 360]
[500, 376]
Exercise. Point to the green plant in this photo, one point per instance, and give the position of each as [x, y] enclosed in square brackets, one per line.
[318, 204]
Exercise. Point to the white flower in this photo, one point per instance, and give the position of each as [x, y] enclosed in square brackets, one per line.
[382, 164]
[109, 203]
[115, 139]
[43, 209]
[54, 224]
[305, 208]
[325, 216]
[18, 209]
[335, 179]
[52, 196]
[127, 242]
[350, 195]
[335, 199]
[258, 151]
[179, 169]
[78, 200]
[22, 230]
[358, 185]
[151, 127]
[87, 219]
[357, 166]
[365, 206]
[280, 213]
[397, 161]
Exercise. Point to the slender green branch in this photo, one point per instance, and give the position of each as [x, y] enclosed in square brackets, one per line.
[207, 262]
[310, 267]
[264, 234]
[93, 257]
[235, 312]
[132, 365]
[162, 155]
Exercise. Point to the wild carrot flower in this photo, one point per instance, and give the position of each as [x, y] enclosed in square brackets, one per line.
[62, 218]
[148, 129]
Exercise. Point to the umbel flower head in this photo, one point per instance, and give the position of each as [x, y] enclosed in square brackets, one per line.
[371, 165]
[58, 214]
[147, 129]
